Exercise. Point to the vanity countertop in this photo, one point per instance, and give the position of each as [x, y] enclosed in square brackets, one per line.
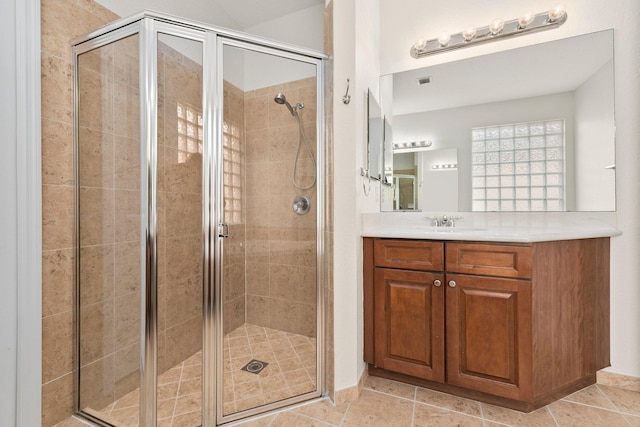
[518, 228]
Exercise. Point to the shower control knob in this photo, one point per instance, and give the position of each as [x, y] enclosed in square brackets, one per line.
[437, 283]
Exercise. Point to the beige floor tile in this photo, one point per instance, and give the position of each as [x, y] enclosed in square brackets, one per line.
[325, 411]
[538, 418]
[633, 420]
[590, 396]
[395, 388]
[290, 419]
[448, 401]
[625, 400]
[71, 422]
[193, 419]
[259, 422]
[379, 410]
[568, 414]
[429, 416]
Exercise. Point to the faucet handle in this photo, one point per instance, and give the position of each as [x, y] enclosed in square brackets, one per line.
[452, 220]
[435, 221]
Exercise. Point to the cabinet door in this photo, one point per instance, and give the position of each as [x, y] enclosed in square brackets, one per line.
[489, 335]
[409, 323]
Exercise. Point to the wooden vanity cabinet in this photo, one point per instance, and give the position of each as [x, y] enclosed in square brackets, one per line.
[518, 325]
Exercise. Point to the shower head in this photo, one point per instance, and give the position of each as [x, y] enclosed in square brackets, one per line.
[282, 100]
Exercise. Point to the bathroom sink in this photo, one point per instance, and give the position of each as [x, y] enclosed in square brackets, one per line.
[457, 229]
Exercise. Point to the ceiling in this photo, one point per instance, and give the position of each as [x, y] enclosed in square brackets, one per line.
[235, 14]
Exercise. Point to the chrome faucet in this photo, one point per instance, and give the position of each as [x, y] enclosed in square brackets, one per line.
[444, 220]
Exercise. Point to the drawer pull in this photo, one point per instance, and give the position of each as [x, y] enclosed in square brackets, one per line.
[437, 283]
[452, 283]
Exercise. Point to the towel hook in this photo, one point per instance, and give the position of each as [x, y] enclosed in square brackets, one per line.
[346, 98]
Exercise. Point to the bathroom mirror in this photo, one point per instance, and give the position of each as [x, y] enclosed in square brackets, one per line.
[375, 131]
[532, 129]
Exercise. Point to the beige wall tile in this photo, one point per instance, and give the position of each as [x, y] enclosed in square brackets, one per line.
[57, 400]
[57, 346]
[97, 213]
[127, 166]
[57, 153]
[127, 260]
[127, 320]
[96, 274]
[57, 217]
[97, 389]
[95, 101]
[57, 281]
[97, 331]
[127, 215]
[96, 158]
[57, 89]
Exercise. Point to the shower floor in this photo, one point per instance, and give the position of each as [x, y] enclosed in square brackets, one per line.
[291, 370]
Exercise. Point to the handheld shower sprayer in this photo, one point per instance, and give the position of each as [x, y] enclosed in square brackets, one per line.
[302, 139]
[282, 100]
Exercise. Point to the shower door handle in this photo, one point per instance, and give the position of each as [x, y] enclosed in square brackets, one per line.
[223, 230]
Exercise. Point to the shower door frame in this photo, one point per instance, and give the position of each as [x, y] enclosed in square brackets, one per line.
[148, 25]
[257, 45]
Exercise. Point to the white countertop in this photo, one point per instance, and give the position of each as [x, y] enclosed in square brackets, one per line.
[491, 227]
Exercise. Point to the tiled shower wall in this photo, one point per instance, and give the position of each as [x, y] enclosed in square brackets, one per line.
[109, 222]
[62, 20]
[235, 199]
[269, 244]
[179, 208]
[281, 245]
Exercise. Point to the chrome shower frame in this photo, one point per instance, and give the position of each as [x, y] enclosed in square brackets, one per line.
[149, 25]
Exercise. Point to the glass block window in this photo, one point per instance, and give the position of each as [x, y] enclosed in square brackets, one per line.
[518, 167]
[232, 169]
[189, 131]
[190, 141]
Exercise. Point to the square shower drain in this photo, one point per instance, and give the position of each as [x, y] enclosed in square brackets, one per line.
[254, 367]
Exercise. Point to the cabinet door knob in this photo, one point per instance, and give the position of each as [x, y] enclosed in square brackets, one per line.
[452, 283]
[437, 283]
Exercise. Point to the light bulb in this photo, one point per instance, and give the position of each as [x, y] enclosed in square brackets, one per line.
[420, 45]
[525, 20]
[444, 39]
[556, 13]
[469, 33]
[496, 26]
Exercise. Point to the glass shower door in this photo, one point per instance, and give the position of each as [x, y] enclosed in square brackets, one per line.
[180, 230]
[269, 268]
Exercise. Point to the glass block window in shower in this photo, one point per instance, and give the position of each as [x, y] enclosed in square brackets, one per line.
[519, 167]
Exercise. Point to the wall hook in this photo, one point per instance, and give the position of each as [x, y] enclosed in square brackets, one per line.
[346, 98]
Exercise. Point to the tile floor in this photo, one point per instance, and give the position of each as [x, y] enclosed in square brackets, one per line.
[385, 403]
[382, 403]
[290, 371]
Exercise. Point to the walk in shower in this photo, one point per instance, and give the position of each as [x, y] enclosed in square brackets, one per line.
[198, 257]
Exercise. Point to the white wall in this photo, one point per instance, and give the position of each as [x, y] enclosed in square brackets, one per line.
[451, 128]
[250, 71]
[355, 57]
[402, 26]
[595, 125]
[438, 188]
[8, 218]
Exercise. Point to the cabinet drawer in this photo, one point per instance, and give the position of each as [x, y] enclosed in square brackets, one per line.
[409, 254]
[490, 260]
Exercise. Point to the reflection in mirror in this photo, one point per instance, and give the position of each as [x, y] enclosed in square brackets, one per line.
[532, 128]
[374, 137]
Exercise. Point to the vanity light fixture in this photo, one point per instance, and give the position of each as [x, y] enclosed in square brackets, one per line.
[407, 147]
[498, 29]
[444, 166]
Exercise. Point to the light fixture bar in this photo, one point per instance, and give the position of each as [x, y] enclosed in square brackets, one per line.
[497, 30]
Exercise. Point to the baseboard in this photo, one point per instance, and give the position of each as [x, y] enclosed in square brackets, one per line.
[352, 393]
[618, 380]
